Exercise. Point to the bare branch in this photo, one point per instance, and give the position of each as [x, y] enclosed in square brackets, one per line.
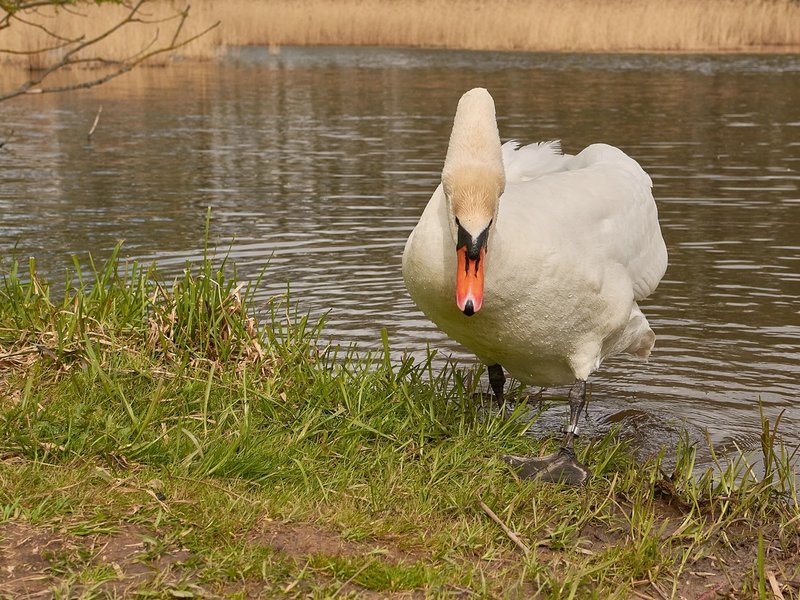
[146, 48]
[47, 31]
[74, 47]
[122, 69]
[179, 28]
[35, 52]
[12, 9]
[78, 86]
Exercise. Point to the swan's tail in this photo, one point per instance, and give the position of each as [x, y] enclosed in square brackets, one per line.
[638, 336]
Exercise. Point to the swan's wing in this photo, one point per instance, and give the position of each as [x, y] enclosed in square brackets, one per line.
[524, 163]
[599, 208]
[624, 215]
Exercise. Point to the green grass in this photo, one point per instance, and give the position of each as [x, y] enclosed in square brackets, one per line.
[160, 439]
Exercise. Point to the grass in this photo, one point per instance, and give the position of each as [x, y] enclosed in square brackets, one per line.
[160, 439]
[526, 25]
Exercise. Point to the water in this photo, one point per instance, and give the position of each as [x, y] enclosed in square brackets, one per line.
[318, 162]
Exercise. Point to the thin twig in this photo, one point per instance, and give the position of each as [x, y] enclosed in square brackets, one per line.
[94, 125]
[183, 16]
[47, 31]
[511, 535]
[43, 50]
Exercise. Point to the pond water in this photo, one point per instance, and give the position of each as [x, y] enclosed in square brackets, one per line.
[318, 162]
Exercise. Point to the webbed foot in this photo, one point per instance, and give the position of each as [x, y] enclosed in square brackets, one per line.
[561, 466]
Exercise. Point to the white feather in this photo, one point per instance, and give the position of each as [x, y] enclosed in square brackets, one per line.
[523, 163]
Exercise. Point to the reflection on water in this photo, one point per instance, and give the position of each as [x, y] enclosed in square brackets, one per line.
[320, 161]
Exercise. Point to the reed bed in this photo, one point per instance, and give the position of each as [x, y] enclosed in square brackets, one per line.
[166, 439]
[529, 25]
[522, 25]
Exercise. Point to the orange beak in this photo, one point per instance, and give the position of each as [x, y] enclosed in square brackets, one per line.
[469, 281]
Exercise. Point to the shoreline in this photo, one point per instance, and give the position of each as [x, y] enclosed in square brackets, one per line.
[749, 51]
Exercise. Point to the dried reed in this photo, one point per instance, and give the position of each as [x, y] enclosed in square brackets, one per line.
[533, 25]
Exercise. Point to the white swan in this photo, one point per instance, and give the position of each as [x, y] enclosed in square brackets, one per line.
[535, 260]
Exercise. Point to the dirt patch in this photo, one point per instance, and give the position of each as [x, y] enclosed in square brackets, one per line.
[126, 551]
[33, 561]
[300, 540]
[23, 570]
[713, 574]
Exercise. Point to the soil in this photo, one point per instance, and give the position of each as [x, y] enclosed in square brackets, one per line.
[299, 540]
[36, 562]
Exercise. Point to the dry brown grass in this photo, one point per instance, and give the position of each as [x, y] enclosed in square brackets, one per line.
[579, 25]
[570, 25]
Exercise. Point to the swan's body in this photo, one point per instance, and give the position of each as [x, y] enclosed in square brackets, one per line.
[571, 253]
[570, 245]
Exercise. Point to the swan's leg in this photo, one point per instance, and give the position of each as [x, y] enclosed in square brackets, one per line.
[577, 400]
[560, 466]
[497, 380]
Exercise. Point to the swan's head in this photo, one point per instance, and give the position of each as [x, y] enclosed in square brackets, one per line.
[473, 180]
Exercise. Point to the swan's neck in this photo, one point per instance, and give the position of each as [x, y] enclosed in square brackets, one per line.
[474, 144]
[473, 177]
